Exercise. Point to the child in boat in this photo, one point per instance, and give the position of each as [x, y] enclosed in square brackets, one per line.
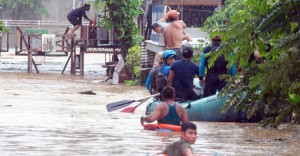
[153, 83]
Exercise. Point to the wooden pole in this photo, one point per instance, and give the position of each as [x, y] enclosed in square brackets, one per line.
[81, 61]
[29, 70]
[73, 68]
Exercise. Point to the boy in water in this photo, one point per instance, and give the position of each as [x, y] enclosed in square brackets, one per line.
[183, 146]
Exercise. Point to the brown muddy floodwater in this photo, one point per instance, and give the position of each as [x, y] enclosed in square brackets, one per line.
[43, 114]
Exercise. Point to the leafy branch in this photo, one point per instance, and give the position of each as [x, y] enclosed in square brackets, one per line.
[270, 88]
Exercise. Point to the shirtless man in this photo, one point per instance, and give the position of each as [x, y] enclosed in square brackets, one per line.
[173, 33]
[162, 24]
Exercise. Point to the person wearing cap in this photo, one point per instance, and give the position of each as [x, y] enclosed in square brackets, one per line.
[173, 33]
[212, 83]
[181, 75]
[168, 58]
[188, 136]
[75, 17]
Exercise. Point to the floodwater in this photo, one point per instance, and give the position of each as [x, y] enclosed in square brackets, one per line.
[44, 114]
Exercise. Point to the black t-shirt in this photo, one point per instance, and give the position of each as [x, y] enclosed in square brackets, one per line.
[79, 12]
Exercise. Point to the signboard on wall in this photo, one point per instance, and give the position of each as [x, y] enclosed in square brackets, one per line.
[36, 31]
[35, 42]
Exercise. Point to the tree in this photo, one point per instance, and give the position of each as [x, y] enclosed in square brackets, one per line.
[273, 86]
[23, 8]
[122, 16]
[3, 28]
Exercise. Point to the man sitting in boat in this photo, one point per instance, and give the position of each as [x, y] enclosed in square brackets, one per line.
[167, 112]
[155, 83]
[181, 76]
[183, 147]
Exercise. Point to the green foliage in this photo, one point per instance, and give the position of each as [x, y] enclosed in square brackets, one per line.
[98, 4]
[202, 43]
[122, 16]
[273, 85]
[21, 7]
[134, 61]
[132, 82]
[2, 28]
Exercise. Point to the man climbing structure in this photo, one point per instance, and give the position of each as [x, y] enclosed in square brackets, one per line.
[75, 17]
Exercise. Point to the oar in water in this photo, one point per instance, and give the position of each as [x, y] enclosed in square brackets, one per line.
[132, 109]
[123, 103]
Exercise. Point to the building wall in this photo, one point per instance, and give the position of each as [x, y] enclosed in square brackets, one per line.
[193, 12]
[57, 10]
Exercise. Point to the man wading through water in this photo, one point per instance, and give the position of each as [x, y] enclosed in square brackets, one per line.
[183, 146]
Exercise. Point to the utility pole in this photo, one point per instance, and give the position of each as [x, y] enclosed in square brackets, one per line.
[181, 14]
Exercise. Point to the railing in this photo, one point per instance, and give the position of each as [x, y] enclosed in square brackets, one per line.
[27, 23]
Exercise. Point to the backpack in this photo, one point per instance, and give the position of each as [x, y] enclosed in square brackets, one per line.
[161, 80]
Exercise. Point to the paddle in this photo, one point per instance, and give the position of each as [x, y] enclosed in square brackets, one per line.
[123, 103]
[132, 109]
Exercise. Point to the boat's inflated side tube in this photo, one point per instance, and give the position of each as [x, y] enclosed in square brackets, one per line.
[159, 126]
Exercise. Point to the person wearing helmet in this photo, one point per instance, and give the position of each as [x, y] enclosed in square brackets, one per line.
[181, 75]
[211, 83]
[155, 82]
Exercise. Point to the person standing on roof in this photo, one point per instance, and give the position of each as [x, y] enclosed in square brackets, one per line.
[161, 24]
[173, 33]
[155, 85]
[75, 17]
